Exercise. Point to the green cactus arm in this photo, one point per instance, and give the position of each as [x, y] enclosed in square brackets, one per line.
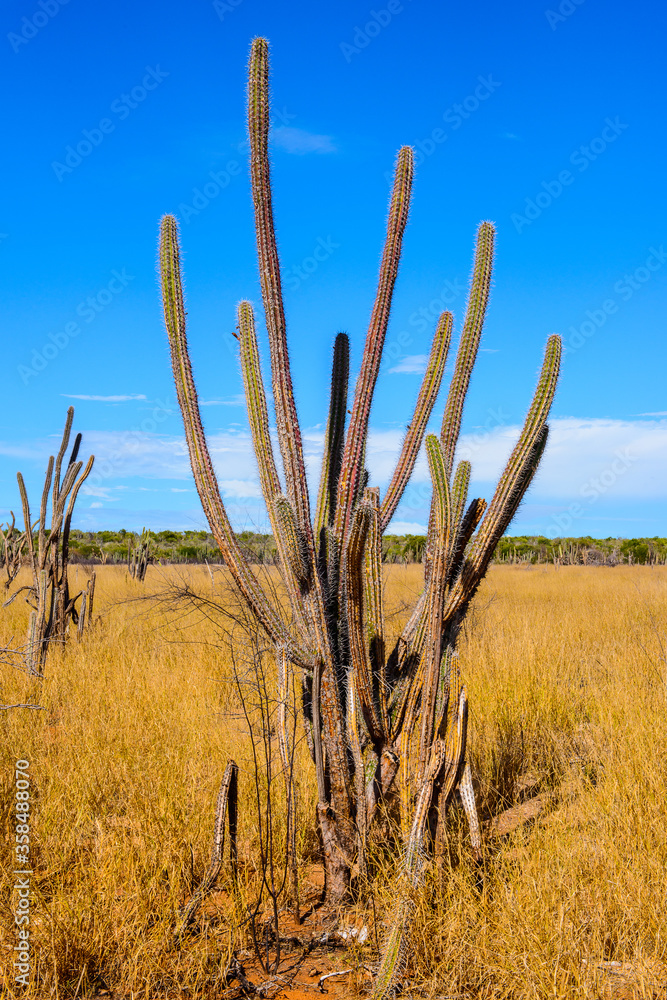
[374, 604]
[334, 437]
[258, 415]
[289, 433]
[444, 691]
[289, 539]
[459, 496]
[417, 426]
[355, 615]
[513, 483]
[470, 337]
[469, 522]
[442, 501]
[200, 459]
[285, 530]
[61, 454]
[354, 735]
[355, 441]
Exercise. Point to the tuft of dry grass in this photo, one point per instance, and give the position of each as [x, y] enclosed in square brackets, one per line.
[567, 683]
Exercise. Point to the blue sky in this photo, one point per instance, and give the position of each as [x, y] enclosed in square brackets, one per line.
[548, 120]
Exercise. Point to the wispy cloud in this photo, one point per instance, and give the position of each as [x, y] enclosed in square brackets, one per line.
[411, 364]
[300, 142]
[102, 399]
[232, 401]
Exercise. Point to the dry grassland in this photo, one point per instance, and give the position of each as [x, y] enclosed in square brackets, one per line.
[566, 676]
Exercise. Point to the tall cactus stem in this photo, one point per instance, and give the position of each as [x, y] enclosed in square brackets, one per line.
[355, 441]
[289, 433]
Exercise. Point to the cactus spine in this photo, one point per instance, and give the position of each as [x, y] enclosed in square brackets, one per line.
[371, 714]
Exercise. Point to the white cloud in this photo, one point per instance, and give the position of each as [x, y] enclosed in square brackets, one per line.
[102, 399]
[232, 401]
[298, 141]
[406, 528]
[411, 364]
[630, 454]
[240, 489]
[578, 451]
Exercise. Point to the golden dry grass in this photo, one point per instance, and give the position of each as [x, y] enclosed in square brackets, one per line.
[567, 684]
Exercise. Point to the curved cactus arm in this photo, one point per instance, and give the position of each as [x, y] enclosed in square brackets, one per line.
[470, 337]
[374, 605]
[334, 437]
[514, 482]
[355, 614]
[416, 428]
[355, 441]
[200, 459]
[289, 433]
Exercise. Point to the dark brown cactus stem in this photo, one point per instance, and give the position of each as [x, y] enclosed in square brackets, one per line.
[289, 433]
[334, 439]
[355, 441]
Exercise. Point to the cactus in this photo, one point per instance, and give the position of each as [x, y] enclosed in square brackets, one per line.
[12, 545]
[139, 556]
[49, 595]
[382, 724]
